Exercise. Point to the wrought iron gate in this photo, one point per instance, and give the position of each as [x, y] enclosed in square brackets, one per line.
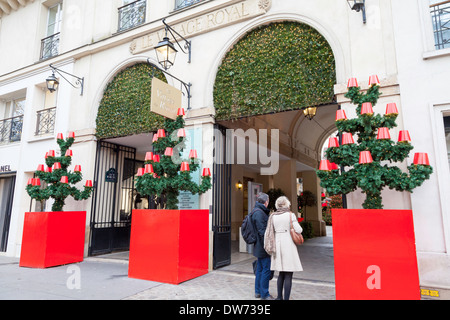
[221, 201]
[113, 197]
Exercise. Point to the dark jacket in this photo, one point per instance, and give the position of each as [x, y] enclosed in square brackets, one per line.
[260, 216]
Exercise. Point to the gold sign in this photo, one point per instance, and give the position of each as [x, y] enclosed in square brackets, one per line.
[166, 100]
[206, 21]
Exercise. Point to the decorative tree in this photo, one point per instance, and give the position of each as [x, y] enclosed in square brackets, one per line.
[58, 178]
[368, 161]
[165, 173]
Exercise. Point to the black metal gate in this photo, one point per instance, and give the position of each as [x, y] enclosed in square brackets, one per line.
[221, 223]
[113, 197]
[7, 185]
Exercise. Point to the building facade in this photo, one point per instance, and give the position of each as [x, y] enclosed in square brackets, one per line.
[254, 66]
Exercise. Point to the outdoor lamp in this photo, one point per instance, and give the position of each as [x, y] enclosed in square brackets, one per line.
[310, 112]
[52, 83]
[239, 185]
[358, 5]
[166, 53]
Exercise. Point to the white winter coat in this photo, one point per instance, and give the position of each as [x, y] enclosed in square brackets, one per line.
[286, 256]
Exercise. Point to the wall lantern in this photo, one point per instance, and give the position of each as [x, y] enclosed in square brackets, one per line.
[165, 50]
[358, 5]
[239, 185]
[310, 112]
[53, 83]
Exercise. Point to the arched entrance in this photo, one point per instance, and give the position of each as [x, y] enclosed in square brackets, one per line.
[263, 84]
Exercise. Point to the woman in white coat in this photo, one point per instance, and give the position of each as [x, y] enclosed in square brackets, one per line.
[284, 254]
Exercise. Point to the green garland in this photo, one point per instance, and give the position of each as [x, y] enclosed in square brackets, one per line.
[278, 67]
[125, 107]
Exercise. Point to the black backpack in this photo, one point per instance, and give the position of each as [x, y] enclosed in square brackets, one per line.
[248, 230]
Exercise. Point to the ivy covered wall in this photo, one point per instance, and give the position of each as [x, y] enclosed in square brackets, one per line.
[277, 67]
[125, 107]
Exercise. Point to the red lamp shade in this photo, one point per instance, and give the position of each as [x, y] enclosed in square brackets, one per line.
[156, 158]
[36, 182]
[140, 172]
[181, 112]
[206, 172]
[391, 109]
[40, 168]
[193, 154]
[30, 182]
[181, 133]
[334, 142]
[72, 135]
[373, 80]
[60, 136]
[383, 134]
[404, 136]
[324, 165]
[184, 167]
[365, 157]
[155, 137]
[367, 108]
[347, 138]
[88, 183]
[421, 158]
[51, 153]
[161, 133]
[340, 115]
[334, 166]
[77, 168]
[69, 153]
[56, 166]
[64, 179]
[352, 82]
[149, 156]
[168, 152]
[46, 155]
[149, 169]
[49, 170]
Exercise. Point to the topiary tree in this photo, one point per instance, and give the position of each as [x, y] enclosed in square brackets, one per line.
[368, 163]
[58, 178]
[165, 173]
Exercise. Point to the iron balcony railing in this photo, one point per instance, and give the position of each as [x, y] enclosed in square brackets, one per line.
[440, 14]
[132, 15]
[45, 123]
[180, 4]
[50, 46]
[11, 129]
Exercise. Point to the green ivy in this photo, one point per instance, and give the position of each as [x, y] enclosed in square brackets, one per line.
[277, 67]
[125, 106]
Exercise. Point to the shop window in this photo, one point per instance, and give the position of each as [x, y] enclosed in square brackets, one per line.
[132, 14]
[180, 4]
[50, 44]
[440, 15]
[11, 120]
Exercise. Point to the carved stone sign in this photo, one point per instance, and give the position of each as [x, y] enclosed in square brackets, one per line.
[205, 22]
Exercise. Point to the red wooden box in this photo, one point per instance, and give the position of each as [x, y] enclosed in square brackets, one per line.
[169, 246]
[52, 239]
[375, 255]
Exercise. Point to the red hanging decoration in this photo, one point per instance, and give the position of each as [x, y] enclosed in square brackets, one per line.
[40, 168]
[156, 158]
[60, 136]
[391, 109]
[69, 153]
[77, 168]
[333, 143]
[56, 166]
[206, 172]
[403, 136]
[365, 157]
[193, 154]
[89, 183]
[383, 134]
[51, 153]
[161, 133]
[324, 165]
[374, 81]
[184, 167]
[149, 156]
[181, 112]
[64, 179]
[367, 108]
[340, 115]
[181, 133]
[149, 169]
[421, 158]
[140, 172]
[36, 182]
[347, 138]
[352, 82]
[72, 135]
[168, 152]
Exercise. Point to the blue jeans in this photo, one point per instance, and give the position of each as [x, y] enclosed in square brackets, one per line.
[262, 277]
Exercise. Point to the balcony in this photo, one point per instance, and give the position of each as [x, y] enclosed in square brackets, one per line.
[45, 123]
[11, 129]
[132, 15]
[49, 46]
[180, 4]
[440, 15]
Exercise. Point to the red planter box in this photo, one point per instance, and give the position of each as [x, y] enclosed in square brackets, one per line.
[375, 255]
[52, 239]
[169, 246]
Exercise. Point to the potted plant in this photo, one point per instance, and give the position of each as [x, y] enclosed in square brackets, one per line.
[170, 245]
[55, 238]
[374, 248]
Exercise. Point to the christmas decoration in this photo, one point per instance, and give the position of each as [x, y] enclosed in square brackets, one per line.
[368, 164]
[165, 172]
[58, 178]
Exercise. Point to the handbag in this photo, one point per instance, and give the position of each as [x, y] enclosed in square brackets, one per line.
[296, 237]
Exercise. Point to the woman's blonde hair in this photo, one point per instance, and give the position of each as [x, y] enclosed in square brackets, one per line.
[282, 202]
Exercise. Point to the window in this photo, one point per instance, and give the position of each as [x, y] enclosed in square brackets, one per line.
[440, 15]
[50, 44]
[45, 120]
[447, 135]
[11, 122]
[132, 14]
[180, 4]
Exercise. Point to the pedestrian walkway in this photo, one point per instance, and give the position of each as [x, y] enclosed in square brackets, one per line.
[106, 278]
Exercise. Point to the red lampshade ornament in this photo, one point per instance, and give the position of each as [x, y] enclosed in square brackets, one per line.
[391, 109]
[374, 81]
[155, 138]
[168, 152]
[365, 157]
[46, 155]
[51, 153]
[367, 108]
[206, 172]
[184, 167]
[30, 182]
[324, 165]
[421, 158]
[64, 179]
[36, 182]
[334, 166]
[193, 154]
[181, 112]
[161, 133]
[149, 156]
[69, 153]
[347, 138]
[340, 115]
[72, 135]
[56, 166]
[334, 142]
[181, 133]
[77, 168]
[403, 136]
[140, 172]
[60, 136]
[383, 134]
[88, 183]
[49, 170]
[352, 82]
[149, 169]
[40, 168]
[156, 158]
